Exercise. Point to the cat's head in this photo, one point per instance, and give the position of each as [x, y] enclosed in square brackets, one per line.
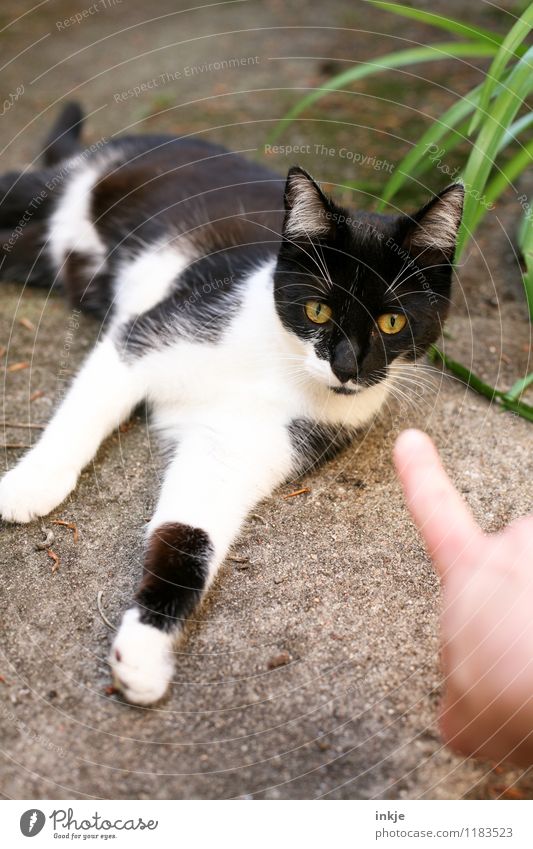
[361, 290]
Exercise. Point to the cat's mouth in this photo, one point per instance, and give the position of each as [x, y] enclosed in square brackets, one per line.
[345, 390]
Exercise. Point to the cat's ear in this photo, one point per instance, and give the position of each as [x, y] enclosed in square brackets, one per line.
[432, 232]
[308, 211]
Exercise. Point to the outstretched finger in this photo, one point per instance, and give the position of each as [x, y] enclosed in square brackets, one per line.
[442, 517]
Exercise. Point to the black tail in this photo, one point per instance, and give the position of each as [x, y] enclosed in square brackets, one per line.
[64, 137]
[23, 257]
[25, 202]
[26, 198]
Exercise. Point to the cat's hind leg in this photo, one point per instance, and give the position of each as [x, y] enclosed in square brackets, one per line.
[218, 474]
[104, 392]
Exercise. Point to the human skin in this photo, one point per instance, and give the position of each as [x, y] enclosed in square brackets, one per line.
[487, 611]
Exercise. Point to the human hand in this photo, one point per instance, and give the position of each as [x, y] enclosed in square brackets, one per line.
[487, 613]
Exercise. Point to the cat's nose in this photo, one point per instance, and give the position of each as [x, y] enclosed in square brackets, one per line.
[344, 363]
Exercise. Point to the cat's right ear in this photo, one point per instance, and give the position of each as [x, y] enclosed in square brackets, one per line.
[308, 211]
[432, 232]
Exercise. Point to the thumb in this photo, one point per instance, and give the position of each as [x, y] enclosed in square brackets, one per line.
[442, 517]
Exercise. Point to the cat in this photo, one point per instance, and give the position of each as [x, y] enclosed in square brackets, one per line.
[262, 323]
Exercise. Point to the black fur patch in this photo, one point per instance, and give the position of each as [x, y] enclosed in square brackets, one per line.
[86, 290]
[207, 297]
[314, 443]
[175, 573]
[23, 258]
[25, 197]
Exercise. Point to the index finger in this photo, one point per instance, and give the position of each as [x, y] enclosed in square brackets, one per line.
[442, 517]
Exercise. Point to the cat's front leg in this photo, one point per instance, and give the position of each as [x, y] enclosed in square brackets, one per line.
[217, 475]
[103, 393]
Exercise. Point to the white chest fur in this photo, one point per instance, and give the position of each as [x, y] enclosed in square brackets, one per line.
[257, 369]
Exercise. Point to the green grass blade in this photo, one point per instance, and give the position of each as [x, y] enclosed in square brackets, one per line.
[473, 382]
[523, 228]
[460, 134]
[521, 409]
[516, 129]
[514, 38]
[466, 375]
[391, 61]
[496, 122]
[504, 177]
[527, 279]
[448, 24]
[519, 387]
[526, 245]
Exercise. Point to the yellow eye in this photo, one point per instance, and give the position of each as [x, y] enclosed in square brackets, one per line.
[391, 322]
[317, 312]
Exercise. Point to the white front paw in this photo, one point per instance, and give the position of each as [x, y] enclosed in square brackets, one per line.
[141, 660]
[33, 489]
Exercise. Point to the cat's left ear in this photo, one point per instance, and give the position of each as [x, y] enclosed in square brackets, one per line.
[308, 211]
[432, 232]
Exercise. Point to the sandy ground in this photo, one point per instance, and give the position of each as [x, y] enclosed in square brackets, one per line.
[335, 581]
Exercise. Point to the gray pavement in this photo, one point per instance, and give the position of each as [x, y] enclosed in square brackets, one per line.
[312, 669]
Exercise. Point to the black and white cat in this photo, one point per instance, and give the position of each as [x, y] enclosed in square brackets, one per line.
[262, 323]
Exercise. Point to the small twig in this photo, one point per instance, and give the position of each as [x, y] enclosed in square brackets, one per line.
[14, 445]
[259, 518]
[99, 598]
[301, 491]
[25, 322]
[70, 525]
[241, 563]
[47, 542]
[22, 424]
[55, 557]
[18, 366]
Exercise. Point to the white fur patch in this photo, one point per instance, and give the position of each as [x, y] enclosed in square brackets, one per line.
[34, 487]
[70, 227]
[145, 280]
[141, 660]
